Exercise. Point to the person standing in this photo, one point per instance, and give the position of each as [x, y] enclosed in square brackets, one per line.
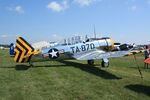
[146, 54]
[12, 51]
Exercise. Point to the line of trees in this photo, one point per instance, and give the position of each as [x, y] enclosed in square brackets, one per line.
[4, 45]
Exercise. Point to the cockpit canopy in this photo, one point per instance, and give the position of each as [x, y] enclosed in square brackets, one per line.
[93, 39]
[71, 41]
[79, 39]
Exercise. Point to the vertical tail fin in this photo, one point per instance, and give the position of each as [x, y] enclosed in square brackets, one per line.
[23, 51]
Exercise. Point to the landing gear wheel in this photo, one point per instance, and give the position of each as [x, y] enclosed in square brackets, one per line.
[105, 64]
[30, 64]
[91, 62]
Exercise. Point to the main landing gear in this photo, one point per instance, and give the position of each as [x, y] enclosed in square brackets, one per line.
[90, 62]
[104, 63]
[30, 64]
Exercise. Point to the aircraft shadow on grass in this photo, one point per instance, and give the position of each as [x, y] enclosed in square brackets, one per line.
[141, 67]
[21, 67]
[85, 67]
[17, 67]
[91, 69]
[139, 88]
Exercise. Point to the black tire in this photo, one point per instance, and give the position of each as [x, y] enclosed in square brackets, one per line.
[30, 64]
[90, 62]
[105, 64]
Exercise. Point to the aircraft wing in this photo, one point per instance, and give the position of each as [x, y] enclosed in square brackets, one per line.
[99, 54]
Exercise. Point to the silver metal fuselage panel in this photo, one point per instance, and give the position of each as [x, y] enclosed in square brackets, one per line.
[71, 51]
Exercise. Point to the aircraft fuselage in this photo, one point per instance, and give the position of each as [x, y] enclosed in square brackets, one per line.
[62, 52]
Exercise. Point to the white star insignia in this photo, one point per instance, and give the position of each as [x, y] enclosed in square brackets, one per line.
[53, 53]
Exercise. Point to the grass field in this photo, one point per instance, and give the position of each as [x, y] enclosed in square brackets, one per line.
[73, 80]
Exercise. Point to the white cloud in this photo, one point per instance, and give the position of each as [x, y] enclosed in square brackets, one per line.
[18, 9]
[85, 2]
[3, 36]
[133, 8]
[58, 6]
[148, 1]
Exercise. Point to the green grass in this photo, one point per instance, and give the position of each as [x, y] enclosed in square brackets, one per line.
[73, 80]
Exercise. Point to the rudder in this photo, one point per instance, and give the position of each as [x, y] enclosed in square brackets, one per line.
[23, 51]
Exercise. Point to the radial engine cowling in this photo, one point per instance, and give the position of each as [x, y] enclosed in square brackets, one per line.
[106, 44]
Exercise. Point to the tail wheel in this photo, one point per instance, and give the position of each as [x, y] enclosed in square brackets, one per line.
[91, 62]
[105, 64]
[30, 64]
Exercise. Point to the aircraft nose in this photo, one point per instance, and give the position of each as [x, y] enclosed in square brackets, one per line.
[112, 43]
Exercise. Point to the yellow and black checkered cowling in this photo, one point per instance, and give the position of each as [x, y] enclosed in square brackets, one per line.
[23, 51]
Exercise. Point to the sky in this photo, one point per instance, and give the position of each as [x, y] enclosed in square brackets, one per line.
[125, 21]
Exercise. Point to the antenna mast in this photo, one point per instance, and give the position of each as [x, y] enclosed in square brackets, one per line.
[94, 32]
